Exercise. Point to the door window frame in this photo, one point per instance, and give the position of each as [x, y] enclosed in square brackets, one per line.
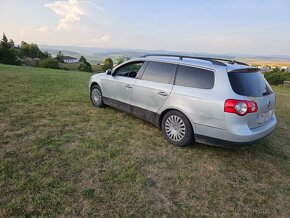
[161, 62]
[139, 73]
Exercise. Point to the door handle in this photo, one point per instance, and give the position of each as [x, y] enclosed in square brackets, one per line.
[162, 93]
[128, 86]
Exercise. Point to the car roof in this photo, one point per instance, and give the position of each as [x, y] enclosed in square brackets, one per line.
[203, 63]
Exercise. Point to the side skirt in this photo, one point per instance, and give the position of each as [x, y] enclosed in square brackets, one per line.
[138, 112]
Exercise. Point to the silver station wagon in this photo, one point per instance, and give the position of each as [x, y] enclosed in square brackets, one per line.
[206, 100]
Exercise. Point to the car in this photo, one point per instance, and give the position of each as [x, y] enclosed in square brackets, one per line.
[191, 99]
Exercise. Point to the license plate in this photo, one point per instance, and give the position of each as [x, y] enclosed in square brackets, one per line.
[264, 117]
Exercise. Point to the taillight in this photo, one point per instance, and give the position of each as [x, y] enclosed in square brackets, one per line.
[240, 107]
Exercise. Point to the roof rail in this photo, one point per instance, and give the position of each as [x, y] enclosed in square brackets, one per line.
[216, 61]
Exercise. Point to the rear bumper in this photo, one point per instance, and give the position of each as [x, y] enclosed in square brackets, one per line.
[233, 137]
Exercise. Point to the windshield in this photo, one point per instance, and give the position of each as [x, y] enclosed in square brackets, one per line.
[249, 83]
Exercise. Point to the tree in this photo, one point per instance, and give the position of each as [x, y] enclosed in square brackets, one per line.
[34, 51]
[122, 59]
[46, 54]
[31, 50]
[84, 65]
[7, 53]
[59, 57]
[24, 49]
[108, 64]
[11, 43]
[1, 53]
[5, 40]
[49, 63]
[82, 59]
[11, 54]
[276, 76]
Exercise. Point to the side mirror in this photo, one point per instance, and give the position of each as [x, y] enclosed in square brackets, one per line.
[109, 72]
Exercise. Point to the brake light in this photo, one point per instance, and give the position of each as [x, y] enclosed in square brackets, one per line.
[240, 107]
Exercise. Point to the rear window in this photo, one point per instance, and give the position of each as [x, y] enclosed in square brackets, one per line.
[194, 77]
[249, 84]
[159, 72]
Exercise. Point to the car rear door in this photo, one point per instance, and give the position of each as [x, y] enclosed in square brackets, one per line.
[151, 91]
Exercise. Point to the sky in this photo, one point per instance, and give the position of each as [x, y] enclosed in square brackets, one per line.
[258, 27]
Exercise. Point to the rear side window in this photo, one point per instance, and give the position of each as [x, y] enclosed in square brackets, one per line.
[194, 77]
[159, 72]
[249, 83]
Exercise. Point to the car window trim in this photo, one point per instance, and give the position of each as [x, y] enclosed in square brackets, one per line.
[141, 71]
[123, 65]
[171, 81]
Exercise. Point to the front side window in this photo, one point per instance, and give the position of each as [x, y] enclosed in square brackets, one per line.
[159, 72]
[129, 70]
[194, 77]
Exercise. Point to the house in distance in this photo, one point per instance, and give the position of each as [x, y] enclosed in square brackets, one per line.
[69, 59]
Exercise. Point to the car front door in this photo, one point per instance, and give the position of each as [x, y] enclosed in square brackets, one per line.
[117, 88]
[151, 91]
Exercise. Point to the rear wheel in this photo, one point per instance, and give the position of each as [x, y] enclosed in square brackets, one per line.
[96, 96]
[177, 128]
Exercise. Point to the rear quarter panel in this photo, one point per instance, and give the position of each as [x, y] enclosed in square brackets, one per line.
[202, 106]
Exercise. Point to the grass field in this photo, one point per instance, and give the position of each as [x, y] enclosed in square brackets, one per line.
[61, 156]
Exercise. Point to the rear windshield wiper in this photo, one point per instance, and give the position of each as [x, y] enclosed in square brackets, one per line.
[266, 93]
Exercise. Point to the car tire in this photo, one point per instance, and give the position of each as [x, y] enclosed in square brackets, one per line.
[97, 96]
[177, 129]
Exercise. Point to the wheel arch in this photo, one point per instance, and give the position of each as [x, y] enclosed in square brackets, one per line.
[171, 109]
[94, 83]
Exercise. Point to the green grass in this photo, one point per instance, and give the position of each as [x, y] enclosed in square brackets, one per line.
[61, 156]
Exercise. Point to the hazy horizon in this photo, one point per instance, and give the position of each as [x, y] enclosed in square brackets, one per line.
[257, 27]
[109, 50]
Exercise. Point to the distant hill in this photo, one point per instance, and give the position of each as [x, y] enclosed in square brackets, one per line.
[97, 55]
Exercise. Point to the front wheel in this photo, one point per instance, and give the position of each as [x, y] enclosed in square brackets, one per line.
[177, 129]
[96, 96]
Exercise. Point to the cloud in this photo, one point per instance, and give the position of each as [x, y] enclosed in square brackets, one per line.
[106, 38]
[103, 39]
[70, 12]
[23, 31]
[43, 30]
[26, 30]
